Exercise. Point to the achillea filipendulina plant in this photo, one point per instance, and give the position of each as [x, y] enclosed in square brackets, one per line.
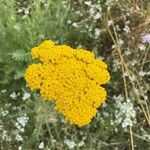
[70, 77]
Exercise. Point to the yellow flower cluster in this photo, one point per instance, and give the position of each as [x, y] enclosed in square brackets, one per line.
[70, 77]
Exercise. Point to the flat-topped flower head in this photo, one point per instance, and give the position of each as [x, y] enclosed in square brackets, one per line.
[70, 77]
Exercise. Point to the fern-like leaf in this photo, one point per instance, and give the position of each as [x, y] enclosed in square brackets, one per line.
[20, 56]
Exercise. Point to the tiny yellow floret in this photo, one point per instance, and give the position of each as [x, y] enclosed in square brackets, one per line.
[70, 77]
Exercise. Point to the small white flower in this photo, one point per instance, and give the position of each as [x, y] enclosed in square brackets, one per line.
[4, 91]
[26, 11]
[75, 25]
[104, 105]
[148, 73]
[127, 122]
[110, 22]
[112, 122]
[132, 77]
[22, 120]
[113, 46]
[134, 62]
[4, 134]
[120, 42]
[142, 47]
[97, 16]
[105, 114]
[126, 114]
[142, 73]
[26, 96]
[70, 144]
[19, 138]
[127, 29]
[116, 65]
[20, 10]
[97, 32]
[110, 2]
[41, 145]
[13, 95]
[87, 3]
[24, 16]
[117, 28]
[43, 1]
[116, 130]
[20, 148]
[81, 143]
[127, 52]
[78, 12]
[5, 113]
[68, 21]
[92, 11]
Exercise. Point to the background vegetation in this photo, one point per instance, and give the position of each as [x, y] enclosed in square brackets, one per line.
[112, 29]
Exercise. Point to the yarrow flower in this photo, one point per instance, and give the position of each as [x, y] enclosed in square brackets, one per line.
[70, 77]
